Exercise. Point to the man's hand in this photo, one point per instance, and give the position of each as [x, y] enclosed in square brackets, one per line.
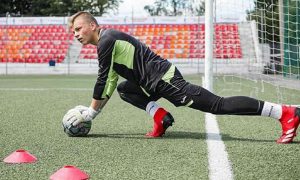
[87, 114]
[81, 108]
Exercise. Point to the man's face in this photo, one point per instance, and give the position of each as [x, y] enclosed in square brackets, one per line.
[83, 30]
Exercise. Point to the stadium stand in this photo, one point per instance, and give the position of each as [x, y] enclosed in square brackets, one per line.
[40, 43]
[180, 41]
[34, 43]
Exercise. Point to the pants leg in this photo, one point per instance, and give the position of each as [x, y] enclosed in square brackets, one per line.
[182, 93]
[234, 105]
[134, 95]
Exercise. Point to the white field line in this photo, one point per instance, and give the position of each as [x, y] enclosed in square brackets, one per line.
[45, 89]
[219, 165]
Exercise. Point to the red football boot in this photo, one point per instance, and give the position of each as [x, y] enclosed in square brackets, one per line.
[162, 120]
[289, 123]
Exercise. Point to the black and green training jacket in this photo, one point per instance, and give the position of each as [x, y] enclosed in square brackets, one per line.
[124, 55]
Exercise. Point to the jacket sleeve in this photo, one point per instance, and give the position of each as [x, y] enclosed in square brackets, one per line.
[107, 78]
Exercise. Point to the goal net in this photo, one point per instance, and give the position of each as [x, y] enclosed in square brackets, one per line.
[268, 41]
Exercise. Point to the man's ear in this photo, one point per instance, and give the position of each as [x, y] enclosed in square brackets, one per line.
[93, 25]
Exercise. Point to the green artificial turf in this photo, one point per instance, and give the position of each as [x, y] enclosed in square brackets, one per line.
[251, 141]
[32, 107]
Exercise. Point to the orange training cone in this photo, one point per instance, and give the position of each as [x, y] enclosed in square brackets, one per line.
[69, 173]
[20, 156]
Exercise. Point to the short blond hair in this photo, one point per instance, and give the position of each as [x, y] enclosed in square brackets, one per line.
[88, 16]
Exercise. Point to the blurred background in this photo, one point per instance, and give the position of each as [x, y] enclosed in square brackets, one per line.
[250, 37]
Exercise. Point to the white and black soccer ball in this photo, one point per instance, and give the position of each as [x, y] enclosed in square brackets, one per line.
[82, 129]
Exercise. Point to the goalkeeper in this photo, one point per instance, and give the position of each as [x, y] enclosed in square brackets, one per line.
[150, 77]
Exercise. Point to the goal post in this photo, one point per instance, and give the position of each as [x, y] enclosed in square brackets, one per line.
[209, 31]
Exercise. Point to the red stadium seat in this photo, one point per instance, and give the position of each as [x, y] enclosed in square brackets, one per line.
[166, 39]
[37, 46]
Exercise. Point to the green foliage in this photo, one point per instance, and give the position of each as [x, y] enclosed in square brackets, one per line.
[158, 9]
[292, 21]
[57, 7]
[266, 14]
[175, 8]
[15, 7]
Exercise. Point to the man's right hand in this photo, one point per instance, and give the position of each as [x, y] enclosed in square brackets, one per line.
[87, 113]
[81, 108]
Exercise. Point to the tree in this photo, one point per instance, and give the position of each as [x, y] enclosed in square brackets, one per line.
[176, 8]
[196, 7]
[57, 7]
[158, 9]
[266, 14]
[14, 7]
[100, 7]
[166, 8]
[199, 9]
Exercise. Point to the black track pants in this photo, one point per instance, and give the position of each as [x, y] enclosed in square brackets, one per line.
[182, 93]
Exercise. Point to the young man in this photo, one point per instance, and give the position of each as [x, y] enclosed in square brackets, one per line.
[150, 77]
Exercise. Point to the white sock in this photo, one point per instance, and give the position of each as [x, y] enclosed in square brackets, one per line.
[272, 110]
[151, 108]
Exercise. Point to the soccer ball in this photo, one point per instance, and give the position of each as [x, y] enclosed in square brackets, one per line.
[81, 129]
